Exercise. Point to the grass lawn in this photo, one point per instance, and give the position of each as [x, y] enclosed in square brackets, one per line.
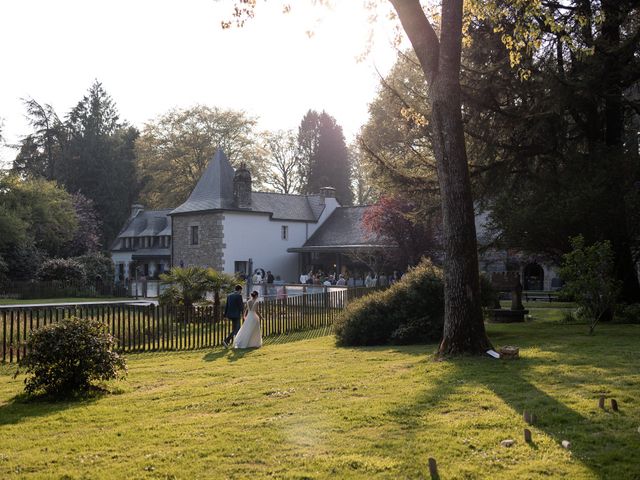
[300, 408]
[15, 301]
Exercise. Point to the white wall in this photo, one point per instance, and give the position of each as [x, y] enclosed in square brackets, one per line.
[122, 257]
[256, 236]
[330, 205]
[250, 235]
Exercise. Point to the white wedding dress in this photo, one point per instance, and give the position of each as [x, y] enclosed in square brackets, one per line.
[250, 333]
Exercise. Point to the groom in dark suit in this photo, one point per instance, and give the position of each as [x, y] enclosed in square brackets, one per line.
[233, 311]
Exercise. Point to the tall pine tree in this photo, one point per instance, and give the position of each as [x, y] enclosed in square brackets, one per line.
[324, 157]
[91, 152]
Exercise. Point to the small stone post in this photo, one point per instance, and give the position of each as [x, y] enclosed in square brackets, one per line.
[433, 469]
[516, 296]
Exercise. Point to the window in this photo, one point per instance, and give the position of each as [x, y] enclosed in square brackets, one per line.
[240, 267]
[285, 232]
[194, 235]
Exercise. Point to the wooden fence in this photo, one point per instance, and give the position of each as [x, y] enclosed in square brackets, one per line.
[140, 328]
[59, 289]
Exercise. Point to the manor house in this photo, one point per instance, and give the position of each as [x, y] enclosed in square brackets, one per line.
[224, 224]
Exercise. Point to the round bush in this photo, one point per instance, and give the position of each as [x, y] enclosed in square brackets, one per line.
[97, 267]
[410, 311]
[64, 358]
[627, 313]
[63, 269]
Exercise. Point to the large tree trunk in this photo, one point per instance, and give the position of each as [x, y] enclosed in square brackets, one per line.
[464, 330]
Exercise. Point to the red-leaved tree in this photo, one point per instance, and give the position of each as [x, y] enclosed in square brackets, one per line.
[413, 235]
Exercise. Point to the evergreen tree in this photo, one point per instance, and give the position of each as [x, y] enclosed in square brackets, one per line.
[308, 136]
[100, 162]
[557, 153]
[324, 156]
[91, 152]
[41, 152]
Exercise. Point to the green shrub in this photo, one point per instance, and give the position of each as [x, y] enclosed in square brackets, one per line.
[569, 317]
[64, 358]
[62, 269]
[3, 270]
[488, 295]
[627, 313]
[98, 268]
[565, 296]
[588, 273]
[410, 311]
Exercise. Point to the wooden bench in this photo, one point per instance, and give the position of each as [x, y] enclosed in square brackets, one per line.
[543, 297]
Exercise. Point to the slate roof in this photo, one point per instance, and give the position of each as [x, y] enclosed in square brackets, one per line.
[147, 223]
[214, 190]
[283, 206]
[342, 230]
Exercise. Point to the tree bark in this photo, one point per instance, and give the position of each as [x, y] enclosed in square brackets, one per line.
[464, 330]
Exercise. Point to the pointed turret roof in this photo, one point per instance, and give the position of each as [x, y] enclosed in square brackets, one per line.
[214, 190]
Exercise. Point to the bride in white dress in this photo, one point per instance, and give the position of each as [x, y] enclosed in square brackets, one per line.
[250, 334]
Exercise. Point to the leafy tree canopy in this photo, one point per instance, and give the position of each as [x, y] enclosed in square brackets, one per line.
[35, 212]
[174, 149]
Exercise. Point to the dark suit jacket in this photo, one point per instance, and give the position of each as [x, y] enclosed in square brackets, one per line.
[234, 306]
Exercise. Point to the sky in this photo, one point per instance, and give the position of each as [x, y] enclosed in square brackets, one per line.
[155, 55]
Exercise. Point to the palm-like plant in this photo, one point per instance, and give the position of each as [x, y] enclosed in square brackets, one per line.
[217, 282]
[189, 284]
[185, 286]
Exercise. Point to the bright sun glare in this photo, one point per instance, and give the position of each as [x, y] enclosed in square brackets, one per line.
[155, 55]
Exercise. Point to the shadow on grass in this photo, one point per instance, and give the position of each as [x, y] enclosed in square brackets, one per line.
[427, 350]
[22, 407]
[601, 442]
[232, 354]
[594, 441]
[298, 336]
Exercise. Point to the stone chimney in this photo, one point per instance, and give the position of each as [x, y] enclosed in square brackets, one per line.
[242, 187]
[136, 208]
[327, 192]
